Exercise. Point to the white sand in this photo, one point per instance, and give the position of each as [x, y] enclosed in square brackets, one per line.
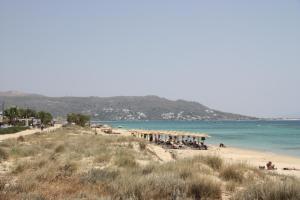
[251, 157]
[230, 154]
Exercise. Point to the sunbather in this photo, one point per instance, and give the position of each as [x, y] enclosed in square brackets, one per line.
[289, 168]
[270, 166]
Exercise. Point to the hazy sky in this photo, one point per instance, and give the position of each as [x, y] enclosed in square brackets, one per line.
[237, 56]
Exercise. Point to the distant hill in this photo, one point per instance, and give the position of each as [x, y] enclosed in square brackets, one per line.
[119, 108]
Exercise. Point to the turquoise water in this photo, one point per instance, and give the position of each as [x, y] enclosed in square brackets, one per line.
[273, 136]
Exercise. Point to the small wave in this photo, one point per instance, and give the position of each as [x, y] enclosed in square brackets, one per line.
[291, 148]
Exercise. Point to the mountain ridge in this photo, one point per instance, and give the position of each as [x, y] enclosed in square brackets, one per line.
[150, 107]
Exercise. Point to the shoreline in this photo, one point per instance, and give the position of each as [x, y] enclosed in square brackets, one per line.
[254, 158]
[210, 144]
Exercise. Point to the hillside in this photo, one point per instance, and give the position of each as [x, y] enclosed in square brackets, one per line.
[119, 108]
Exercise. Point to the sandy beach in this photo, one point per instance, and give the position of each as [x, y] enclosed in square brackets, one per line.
[251, 157]
[230, 154]
[66, 156]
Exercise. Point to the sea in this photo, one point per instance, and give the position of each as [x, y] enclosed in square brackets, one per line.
[282, 137]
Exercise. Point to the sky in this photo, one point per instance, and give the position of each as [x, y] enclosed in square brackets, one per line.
[235, 56]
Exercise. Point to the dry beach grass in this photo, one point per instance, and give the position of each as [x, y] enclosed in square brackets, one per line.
[74, 163]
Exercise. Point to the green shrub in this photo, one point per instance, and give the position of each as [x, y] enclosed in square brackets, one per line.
[11, 130]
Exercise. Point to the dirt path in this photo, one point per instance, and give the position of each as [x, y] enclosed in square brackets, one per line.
[28, 132]
[162, 154]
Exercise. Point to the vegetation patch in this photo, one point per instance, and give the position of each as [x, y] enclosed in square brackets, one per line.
[277, 189]
[232, 173]
[13, 129]
[64, 165]
[3, 154]
[204, 187]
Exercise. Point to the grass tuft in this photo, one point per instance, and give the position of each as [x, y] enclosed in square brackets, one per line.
[3, 154]
[100, 175]
[21, 139]
[142, 146]
[204, 187]
[232, 173]
[124, 159]
[215, 162]
[271, 190]
[60, 148]
[64, 165]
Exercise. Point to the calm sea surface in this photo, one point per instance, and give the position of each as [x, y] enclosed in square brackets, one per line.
[273, 136]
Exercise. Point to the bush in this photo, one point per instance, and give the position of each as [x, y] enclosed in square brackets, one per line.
[45, 117]
[78, 119]
[271, 190]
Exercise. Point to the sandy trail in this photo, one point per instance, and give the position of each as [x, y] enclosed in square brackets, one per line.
[28, 132]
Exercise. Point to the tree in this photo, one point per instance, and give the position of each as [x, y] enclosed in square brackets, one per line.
[83, 119]
[45, 117]
[12, 114]
[78, 119]
[72, 118]
[29, 113]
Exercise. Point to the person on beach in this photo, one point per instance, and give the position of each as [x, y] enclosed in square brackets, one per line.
[222, 145]
[42, 127]
[270, 166]
[289, 168]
